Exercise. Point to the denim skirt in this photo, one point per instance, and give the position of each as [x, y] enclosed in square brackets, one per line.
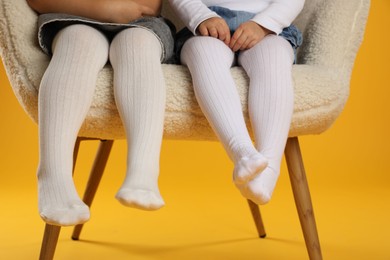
[50, 24]
[233, 19]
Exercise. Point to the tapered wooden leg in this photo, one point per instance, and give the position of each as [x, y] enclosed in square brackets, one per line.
[49, 242]
[94, 178]
[302, 198]
[76, 152]
[51, 234]
[257, 218]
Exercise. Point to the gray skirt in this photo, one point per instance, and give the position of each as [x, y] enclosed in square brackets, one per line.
[50, 24]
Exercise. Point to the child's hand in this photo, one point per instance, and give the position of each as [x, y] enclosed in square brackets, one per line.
[215, 27]
[247, 35]
[124, 11]
[115, 11]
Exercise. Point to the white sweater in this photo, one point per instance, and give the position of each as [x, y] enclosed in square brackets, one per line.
[271, 14]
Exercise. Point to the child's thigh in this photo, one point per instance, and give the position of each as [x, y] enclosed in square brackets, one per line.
[137, 40]
[207, 48]
[271, 47]
[82, 38]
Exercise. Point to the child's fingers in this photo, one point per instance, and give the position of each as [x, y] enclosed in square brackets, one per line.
[215, 27]
[213, 32]
[246, 44]
[223, 33]
[236, 40]
[251, 44]
[203, 30]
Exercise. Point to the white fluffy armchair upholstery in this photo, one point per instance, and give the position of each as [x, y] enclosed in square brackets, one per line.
[333, 31]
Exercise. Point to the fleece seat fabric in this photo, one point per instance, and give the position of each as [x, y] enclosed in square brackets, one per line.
[332, 30]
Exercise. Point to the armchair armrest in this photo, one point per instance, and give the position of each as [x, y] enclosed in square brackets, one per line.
[334, 34]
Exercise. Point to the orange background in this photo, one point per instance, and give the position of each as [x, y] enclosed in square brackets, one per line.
[348, 170]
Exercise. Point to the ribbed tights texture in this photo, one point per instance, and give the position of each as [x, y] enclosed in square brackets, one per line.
[268, 65]
[65, 96]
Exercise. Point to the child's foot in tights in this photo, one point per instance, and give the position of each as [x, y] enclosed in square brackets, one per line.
[59, 203]
[247, 168]
[136, 195]
[260, 189]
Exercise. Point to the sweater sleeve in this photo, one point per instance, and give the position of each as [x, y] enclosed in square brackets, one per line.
[192, 12]
[279, 14]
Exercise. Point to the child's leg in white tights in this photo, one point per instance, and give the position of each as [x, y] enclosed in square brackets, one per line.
[271, 100]
[209, 61]
[139, 89]
[65, 96]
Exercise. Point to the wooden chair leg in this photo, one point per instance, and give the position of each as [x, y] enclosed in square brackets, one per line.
[302, 198]
[257, 218]
[94, 178]
[76, 151]
[49, 242]
[51, 234]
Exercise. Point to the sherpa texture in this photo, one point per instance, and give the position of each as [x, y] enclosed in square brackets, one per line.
[333, 31]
